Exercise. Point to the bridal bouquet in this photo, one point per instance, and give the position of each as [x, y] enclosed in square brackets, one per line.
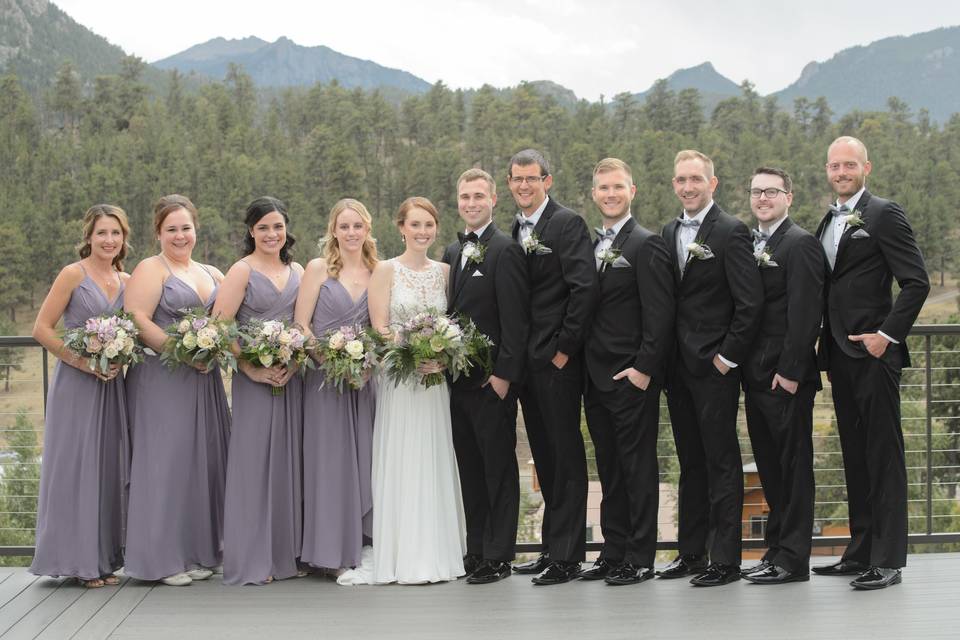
[198, 339]
[265, 343]
[106, 340]
[347, 356]
[455, 343]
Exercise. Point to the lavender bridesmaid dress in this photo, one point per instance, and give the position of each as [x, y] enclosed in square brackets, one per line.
[180, 428]
[79, 521]
[263, 512]
[337, 445]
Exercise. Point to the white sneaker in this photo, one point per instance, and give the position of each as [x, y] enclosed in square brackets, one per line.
[217, 570]
[199, 574]
[177, 580]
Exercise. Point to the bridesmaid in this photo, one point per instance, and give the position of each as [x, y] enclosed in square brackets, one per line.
[179, 420]
[337, 428]
[263, 512]
[79, 515]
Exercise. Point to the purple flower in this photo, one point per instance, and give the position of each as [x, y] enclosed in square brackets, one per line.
[199, 323]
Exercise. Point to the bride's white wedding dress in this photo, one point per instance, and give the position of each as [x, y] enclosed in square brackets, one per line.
[418, 523]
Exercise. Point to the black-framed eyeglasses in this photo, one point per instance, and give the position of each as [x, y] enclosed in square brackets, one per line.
[531, 180]
[770, 193]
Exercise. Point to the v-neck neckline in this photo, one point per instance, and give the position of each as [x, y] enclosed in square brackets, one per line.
[347, 291]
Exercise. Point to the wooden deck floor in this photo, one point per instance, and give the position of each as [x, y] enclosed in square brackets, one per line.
[924, 606]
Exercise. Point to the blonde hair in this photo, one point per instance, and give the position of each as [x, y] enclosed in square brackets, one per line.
[854, 142]
[331, 247]
[478, 174]
[612, 164]
[693, 154]
[90, 218]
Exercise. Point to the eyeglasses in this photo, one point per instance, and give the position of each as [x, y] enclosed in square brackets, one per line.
[770, 193]
[531, 180]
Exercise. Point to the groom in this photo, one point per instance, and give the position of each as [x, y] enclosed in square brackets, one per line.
[488, 285]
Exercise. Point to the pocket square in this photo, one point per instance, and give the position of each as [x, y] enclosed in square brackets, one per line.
[476, 274]
[858, 234]
[769, 264]
[621, 263]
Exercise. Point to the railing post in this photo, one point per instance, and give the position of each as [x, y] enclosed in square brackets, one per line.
[44, 377]
[929, 393]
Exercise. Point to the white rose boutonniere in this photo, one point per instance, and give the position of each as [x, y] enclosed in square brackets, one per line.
[699, 251]
[532, 244]
[608, 256]
[853, 220]
[474, 252]
[765, 260]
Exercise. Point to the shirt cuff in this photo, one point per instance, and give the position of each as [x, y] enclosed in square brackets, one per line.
[888, 337]
[732, 365]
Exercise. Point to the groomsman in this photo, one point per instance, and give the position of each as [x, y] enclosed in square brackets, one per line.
[488, 284]
[719, 302]
[563, 279]
[781, 378]
[630, 337]
[869, 243]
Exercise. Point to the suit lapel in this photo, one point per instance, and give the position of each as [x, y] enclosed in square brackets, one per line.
[455, 275]
[850, 230]
[618, 241]
[670, 236]
[470, 267]
[544, 220]
[703, 234]
[777, 236]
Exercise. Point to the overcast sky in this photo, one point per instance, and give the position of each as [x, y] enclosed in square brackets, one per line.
[597, 47]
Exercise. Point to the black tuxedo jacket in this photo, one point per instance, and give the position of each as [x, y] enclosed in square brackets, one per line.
[632, 323]
[563, 284]
[792, 309]
[859, 290]
[495, 295]
[719, 301]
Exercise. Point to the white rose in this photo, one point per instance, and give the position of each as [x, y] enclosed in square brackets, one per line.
[184, 326]
[285, 337]
[207, 333]
[453, 331]
[121, 334]
[205, 342]
[189, 340]
[128, 345]
[271, 328]
[441, 324]
[284, 354]
[266, 359]
[355, 349]
[336, 341]
[470, 251]
[111, 351]
[693, 246]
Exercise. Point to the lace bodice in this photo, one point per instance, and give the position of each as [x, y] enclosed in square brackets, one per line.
[414, 292]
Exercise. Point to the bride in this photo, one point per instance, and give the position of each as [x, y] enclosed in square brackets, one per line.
[418, 523]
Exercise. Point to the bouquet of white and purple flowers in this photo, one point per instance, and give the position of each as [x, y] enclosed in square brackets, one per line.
[265, 343]
[198, 339]
[347, 356]
[454, 343]
[106, 340]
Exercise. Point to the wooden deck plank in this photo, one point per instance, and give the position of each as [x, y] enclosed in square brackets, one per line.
[35, 621]
[129, 595]
[11, 587]
[80, 612]
[38, 590]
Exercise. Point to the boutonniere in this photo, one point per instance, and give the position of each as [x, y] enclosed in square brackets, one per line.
[608, 256]
[532, 244]
[765, 260]
[853, 220]
[699, 251]
[474, 252]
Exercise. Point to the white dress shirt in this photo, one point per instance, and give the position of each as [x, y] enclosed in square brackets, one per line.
[526, 231]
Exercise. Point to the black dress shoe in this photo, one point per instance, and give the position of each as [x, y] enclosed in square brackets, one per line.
[775, 575]
[683, 566]
[600, 570]
[471, 562]
[557, 573]
[877, 578]
[629, 574]
[841, 568]
[716, 575]
[763, 564]
[533, 566]
[489, 571]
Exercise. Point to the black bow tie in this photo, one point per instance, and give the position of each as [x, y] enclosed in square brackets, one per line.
[470, 237]
[760, 236]
[602, 234]
[524, 221]
[844, 210]
[688, 222]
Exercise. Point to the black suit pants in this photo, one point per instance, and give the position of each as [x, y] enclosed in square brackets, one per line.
[703, 413]
[485, 441]
[866, 397]
[550, 399]
[623, 425]
[781, 433]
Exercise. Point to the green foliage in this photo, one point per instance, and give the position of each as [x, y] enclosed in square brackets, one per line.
[19, 484]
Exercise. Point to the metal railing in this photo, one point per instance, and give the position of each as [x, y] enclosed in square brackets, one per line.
[930, 399]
